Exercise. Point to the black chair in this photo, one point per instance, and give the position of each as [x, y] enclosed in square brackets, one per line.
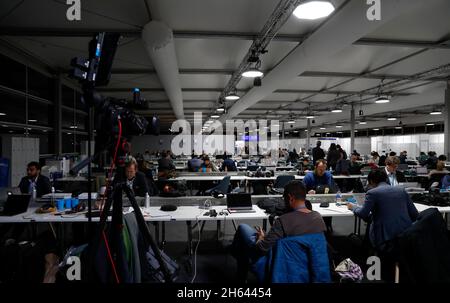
[222, 187]
[280, 182]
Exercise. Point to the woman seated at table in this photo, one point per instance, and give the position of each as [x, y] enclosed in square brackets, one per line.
[207, 166]
[440, 170]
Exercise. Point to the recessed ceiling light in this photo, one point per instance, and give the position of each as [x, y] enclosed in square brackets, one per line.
[436, 112]
[220, 110]
[392, 119]
[339, 126]
[430, 124]
[296, 131]
[339, 132]
[32, 120]
[310, 117]
[328, 133]
[2, 114]
[322, 128]
[356, 131]
[376, 129]
[398, 127]
[312, 10]
[69, 133]
[291, 122]
[362, 122]
[215, 116]
[306, 130]
[336, 110]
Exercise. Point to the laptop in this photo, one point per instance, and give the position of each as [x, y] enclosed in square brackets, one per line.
[421, 170]
[403, 167]
[15, 204]
[239, 203]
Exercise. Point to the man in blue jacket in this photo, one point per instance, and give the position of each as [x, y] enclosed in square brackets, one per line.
[250, 244]
[320, 177]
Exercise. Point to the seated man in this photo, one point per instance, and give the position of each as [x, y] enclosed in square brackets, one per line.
[394, 176]
[228, 164]
[165, 166]
[135, 180]
[34, 179]
[250, 244]
[320, 177]
[194, 164]
[390, 209]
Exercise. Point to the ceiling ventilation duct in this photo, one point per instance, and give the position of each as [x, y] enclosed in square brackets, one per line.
[158, 41]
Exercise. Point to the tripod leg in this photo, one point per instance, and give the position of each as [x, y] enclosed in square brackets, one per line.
[146, 233]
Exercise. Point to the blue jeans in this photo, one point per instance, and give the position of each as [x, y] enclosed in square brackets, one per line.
[243, 249]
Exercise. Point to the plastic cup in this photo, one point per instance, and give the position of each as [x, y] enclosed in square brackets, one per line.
[68, 202]
[60, 204]
[75, 202]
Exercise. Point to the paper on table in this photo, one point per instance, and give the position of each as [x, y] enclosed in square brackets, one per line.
[155, 213]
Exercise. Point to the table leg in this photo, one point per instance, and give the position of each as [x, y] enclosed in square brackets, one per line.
[163, 236]
[265, 224]
[156, 224]
[355, 226]
[218, 230]
[189, 231]
[234, 224]
[359, 226]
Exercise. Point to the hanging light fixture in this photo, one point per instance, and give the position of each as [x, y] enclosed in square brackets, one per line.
[312, 10]
[232, 96]
[253, 72]
[436, 112]
[336, 110]
[391, 119]
[381, 98]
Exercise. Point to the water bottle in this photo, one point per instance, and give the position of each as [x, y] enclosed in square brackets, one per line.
[34, 194]
[338, 198]
[147, 201]
[53, 196]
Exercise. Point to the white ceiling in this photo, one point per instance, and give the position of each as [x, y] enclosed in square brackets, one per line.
[200, 87]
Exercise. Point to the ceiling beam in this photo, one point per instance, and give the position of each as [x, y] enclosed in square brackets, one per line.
[183, 34]
[322, 74]
[403, 43]
[281, 91]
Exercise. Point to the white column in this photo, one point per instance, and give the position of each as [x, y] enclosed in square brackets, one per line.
[447, 121]
[352, 129]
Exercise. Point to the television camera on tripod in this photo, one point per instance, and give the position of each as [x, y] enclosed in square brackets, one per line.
[116, 123]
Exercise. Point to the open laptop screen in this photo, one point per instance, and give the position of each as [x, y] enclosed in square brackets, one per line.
[239, 201]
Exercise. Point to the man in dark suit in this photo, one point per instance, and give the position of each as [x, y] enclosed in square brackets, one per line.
[394, 177]
[317, 153]
[391, 212]
[34, 179]
[135, 179]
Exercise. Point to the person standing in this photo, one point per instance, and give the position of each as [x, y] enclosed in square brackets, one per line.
[317, 152]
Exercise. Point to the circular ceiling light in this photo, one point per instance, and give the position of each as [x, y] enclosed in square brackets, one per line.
[313, 10]
[252, 73]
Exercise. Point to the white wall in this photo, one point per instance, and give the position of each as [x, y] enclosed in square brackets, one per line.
[413, 144]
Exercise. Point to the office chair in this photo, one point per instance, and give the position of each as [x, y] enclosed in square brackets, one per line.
[222, 187]
[296, 259]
